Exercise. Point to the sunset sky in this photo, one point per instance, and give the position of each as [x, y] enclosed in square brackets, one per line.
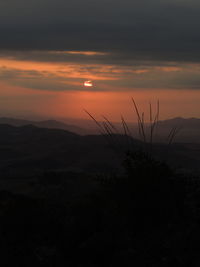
[144, 49]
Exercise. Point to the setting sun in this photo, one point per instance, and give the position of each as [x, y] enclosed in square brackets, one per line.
[88, 83]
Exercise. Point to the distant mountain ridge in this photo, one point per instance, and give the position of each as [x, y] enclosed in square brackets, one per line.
[179, 121]
[49, 124]
[189, 127]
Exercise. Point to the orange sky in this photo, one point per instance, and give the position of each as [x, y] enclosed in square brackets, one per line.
[18, 100]
[55, 89]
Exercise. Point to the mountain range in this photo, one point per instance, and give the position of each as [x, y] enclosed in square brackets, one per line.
[50, 124]
[189, 129]
[30, 149]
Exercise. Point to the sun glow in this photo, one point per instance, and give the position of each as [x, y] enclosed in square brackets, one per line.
[88, 83]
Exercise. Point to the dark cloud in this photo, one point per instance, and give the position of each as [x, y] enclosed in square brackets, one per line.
[129, 30]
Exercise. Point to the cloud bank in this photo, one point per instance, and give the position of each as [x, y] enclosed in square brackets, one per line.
[139, 30]
[121, 45]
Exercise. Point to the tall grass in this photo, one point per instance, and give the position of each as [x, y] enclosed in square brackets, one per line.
[146, 128]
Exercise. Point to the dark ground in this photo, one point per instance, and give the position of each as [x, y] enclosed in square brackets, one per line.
[128, 210]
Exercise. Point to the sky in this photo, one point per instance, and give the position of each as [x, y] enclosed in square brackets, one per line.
[147, 50]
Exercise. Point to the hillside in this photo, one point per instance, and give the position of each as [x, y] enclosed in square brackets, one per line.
[66, 200]
[37, 149]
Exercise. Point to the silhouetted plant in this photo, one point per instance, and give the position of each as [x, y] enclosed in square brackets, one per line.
[146, 130]
[141, 163]
[148, 184]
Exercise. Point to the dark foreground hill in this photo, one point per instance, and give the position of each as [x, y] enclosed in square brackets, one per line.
[31, 149]
[66, 200]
